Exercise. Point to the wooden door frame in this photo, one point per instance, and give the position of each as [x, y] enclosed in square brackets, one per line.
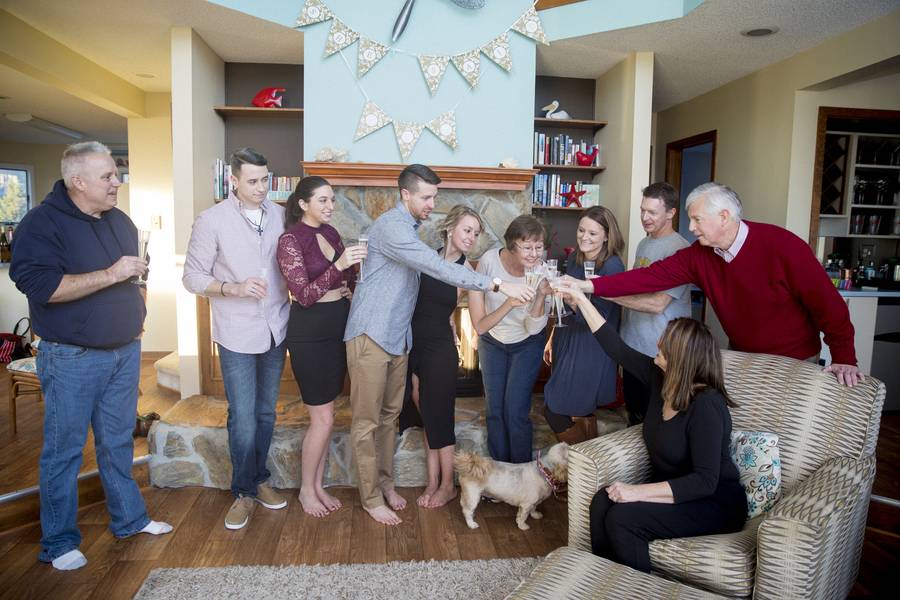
[674, 151]
[825, 113]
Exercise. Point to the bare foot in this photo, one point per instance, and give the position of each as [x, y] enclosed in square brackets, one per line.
[384, 515]
[331, 503]
[311, 504]
[394, 500]
[425, 498]
[442, 497]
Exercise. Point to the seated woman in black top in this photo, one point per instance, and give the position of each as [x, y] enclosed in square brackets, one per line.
[695, 489]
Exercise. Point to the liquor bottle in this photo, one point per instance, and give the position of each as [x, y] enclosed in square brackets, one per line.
[5, 251]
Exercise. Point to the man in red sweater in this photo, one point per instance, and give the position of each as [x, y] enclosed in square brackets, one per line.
[768, 289]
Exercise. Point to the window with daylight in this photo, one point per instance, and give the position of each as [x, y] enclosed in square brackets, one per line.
[15, 193]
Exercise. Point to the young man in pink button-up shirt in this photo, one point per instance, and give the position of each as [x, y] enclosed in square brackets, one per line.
[231, 260]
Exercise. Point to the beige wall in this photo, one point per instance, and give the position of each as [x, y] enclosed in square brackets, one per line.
[198, 138]
[623, 97]
[152, 203]
[754, 117]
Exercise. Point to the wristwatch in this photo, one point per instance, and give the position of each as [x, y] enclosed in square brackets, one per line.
[497, 283]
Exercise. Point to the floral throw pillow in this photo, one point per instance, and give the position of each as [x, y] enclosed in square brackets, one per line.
[756, 455]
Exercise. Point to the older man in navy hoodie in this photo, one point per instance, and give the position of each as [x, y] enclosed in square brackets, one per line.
[73, 258]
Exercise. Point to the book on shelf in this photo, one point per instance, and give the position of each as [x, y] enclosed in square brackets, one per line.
[280, 188]
[560, 150]
[591, 196]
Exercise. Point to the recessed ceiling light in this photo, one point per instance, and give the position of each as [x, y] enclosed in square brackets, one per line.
[146, 75]
[759, 32]
[19, 117]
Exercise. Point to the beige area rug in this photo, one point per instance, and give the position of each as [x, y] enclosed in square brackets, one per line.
[463, 579]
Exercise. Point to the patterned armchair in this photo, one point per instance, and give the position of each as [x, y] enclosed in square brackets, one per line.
[809, 544]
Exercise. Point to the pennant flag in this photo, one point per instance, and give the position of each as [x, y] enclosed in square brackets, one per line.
[469, 66]
[433, 68]
[407, 133]
[498, 51]
[444, 127]
[372, 119]
[369, 53]
[529, 25]
[339, 37]
[314, 11]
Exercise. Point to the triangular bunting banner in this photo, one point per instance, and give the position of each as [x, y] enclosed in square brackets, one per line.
[314, 11]
[369, 53]
[372, 119]
[469, 66]
[529, 25]
[339, 37]
[433, 68]
[407, 133]
[498, 51]
[444, 127]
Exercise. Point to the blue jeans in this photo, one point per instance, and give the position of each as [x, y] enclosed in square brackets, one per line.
[97, 388]
[251, 386]
[509, 372]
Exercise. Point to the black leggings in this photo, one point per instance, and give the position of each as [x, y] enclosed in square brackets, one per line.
[623, 532]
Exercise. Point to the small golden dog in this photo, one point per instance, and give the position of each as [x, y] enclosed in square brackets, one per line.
[524, 485]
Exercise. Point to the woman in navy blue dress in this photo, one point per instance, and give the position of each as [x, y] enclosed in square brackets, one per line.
[583, 376]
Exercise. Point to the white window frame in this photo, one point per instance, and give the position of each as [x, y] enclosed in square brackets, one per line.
[29, 191]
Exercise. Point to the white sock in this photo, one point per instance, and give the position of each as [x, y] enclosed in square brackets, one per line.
[156, 528]
[71, 560]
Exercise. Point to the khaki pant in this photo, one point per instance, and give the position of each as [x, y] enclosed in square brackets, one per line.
[377, 385]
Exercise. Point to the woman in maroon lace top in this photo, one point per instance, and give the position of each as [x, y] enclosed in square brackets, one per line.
[317, 268]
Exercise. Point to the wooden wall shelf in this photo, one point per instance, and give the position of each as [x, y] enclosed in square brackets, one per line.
[257, 111]
[574, 168]
[570, 123]
[385, 175]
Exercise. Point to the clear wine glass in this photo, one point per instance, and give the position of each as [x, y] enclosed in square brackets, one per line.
[362, 240]
[143, 252]
[557, 299]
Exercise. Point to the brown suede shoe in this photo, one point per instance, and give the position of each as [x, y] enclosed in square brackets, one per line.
[239, 513]
[269, 498]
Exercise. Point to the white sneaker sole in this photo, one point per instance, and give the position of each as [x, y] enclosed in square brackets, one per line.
[234, 527]
[272, 506]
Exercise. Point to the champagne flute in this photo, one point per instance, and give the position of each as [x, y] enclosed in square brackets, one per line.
[363, 241]
[589, 269]
[143, 247]
[557, 299]
[532, 280]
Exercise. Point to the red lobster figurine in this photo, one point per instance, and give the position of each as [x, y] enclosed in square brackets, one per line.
[269, 97]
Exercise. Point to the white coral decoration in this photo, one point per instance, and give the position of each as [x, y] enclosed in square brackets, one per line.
[509, 163]
[328, 154]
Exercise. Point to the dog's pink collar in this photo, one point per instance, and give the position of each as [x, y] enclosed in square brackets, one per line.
[555, 484]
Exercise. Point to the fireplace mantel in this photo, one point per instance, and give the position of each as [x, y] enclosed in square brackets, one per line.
[385, 175]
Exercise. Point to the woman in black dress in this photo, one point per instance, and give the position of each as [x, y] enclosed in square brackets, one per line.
[696, 489]
[434, 360]
[317, 269]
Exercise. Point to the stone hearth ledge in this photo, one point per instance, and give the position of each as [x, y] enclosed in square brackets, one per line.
[189, 445]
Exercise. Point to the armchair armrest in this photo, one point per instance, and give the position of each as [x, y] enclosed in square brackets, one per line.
[597, 463]
[810, 543]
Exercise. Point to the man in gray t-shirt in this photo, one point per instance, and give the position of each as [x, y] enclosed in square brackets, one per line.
[648, 314]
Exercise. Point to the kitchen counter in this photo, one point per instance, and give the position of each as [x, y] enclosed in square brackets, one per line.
[860, 293]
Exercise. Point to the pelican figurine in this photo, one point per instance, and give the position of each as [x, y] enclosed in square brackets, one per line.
[552, 113]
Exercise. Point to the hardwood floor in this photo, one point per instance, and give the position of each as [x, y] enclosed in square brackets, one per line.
[117, 568]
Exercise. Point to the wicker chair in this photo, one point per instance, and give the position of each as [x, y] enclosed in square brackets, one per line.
[23, 381]
[809, 544]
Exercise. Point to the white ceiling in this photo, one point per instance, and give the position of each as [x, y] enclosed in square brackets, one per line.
[127, 38]
[694, 54]
[704, 49]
